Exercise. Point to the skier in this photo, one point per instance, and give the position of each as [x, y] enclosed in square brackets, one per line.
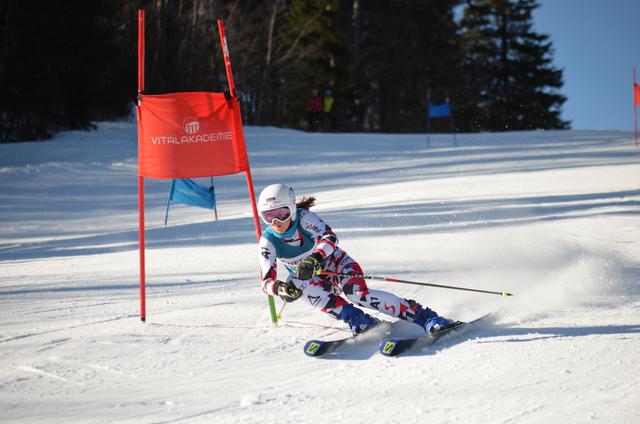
[306, 245]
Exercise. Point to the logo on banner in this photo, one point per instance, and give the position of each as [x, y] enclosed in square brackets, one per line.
[191, 125]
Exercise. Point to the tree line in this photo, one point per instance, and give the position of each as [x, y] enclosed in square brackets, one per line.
[66, 65]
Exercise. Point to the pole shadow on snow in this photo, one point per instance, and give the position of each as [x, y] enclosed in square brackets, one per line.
[496, 334]
[525, 335]
[117, 287]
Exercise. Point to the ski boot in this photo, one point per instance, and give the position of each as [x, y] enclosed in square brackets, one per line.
[358, 321]
[431, 321]
[438, 324]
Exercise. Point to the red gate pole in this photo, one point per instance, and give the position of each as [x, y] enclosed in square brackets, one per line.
[227, 58]
[635, 107]
[252, 195]
[143, 309]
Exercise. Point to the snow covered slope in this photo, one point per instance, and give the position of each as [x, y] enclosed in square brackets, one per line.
[549, 216]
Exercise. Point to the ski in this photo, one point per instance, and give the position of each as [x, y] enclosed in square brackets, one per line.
[315, 348]
[395, 347]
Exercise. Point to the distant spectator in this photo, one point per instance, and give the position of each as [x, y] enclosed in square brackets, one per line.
[314, 110]
[327, 111]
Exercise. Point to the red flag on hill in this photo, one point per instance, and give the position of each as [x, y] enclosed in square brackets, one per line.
[636, 102]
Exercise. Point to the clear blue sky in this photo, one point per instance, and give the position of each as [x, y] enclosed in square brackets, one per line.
[597, 43]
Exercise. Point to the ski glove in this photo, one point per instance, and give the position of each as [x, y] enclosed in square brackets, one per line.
[288, 292]
[309, 266]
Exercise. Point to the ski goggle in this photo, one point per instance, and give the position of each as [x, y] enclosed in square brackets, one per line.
[280, 214]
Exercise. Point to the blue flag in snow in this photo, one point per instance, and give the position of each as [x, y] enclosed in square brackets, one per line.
[191, 193]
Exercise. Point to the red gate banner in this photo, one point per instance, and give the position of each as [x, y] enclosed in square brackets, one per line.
[636, 94]
[190, 135]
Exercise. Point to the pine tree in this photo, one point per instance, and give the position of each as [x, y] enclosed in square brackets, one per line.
[510, 80]
[62, 67]
[307, 57]
[405, 47]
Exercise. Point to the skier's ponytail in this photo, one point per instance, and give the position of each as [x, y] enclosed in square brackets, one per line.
[306, 203]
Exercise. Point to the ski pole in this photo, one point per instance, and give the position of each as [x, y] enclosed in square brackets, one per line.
[418, 283]
[279, 316]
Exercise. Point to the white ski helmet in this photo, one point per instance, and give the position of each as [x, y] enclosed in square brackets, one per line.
[277, 196]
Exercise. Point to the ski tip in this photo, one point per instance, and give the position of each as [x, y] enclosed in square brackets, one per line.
[388, 347]
[313, 348]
